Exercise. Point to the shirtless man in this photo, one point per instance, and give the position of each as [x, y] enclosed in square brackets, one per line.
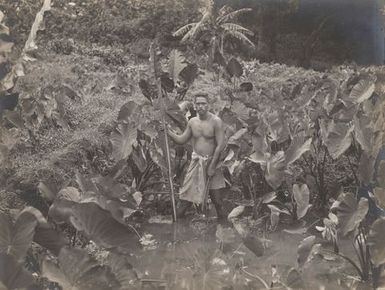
[207, 135]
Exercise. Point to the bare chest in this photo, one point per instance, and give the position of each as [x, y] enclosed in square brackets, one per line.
[203, 129]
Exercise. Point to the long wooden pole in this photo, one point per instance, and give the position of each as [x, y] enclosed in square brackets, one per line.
[168, 155]
[160, 95]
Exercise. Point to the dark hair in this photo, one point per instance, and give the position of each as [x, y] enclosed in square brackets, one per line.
[201, 95]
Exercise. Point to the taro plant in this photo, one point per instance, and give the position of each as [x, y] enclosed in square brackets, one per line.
[350, 220]
[297, 207]
[71, 268]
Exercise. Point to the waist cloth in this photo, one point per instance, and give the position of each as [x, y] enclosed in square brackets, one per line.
[194, 184]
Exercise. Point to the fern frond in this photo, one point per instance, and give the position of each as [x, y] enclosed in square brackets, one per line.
[231, 15]
[184, 29]
[241, 37]
[235, 27]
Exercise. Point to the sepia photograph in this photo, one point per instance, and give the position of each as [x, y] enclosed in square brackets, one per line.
[192, 144]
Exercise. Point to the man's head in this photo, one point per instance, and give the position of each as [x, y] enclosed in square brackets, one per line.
[201, 103]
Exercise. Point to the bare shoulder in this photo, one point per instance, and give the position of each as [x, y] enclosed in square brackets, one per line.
[193, 120]
[216, 120]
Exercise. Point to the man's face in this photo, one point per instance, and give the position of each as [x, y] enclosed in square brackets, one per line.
[201, 105]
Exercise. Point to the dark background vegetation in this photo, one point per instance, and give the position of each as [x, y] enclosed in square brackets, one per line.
[308, 33]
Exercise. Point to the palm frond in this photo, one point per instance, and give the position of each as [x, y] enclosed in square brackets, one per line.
[231, 15]
[241, 37]
[224, 10]
[184, 29]
[236, 27]
[199, 27]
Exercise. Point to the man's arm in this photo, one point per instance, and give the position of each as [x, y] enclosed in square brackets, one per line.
[220, 141]
[181, 139]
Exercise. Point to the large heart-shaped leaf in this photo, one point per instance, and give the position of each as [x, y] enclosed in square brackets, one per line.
[50, 239]
[219, 58]
[366, 168]
[351, 212]
[139, 159]
[274, 214]
[78, 271]
[298, 146]
[269, 197]
[189, 73]
[234, 68]
[174, 112]
[336, 136]
[176, 63]
[48, 191]
[127, 110]
[254, 244]
[241, 111]
[379, 195]
[148, 90]
[363, 132]
[61, 210]
[15, 239]
[237, 211]
[294, 279]
[301, 196]
[122, 139]
[123, 271]
[362, 91]
[101, 227]
[305, 249]
[12, 274]
[167, 83]
[275, 166]
[380, 175]
[376, 242]
[45, 235]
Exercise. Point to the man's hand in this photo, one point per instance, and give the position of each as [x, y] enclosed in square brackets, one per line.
[161, 127]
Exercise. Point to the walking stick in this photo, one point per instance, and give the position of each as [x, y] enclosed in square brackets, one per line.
[159, 85]
[169, 168]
